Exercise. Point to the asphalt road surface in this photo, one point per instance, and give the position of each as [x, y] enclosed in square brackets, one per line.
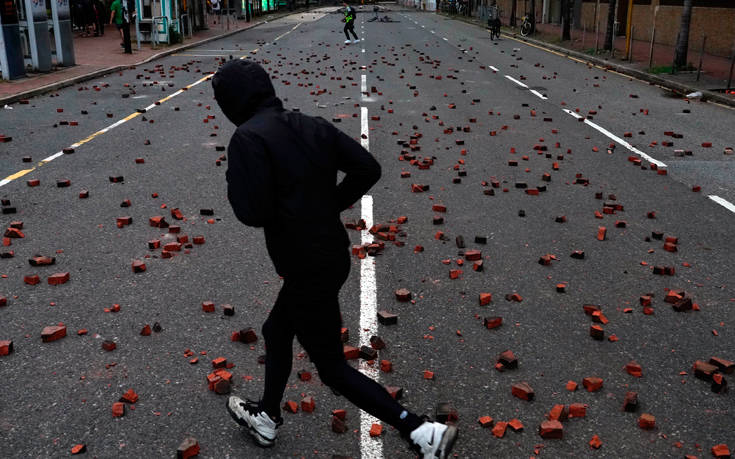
[508, 138]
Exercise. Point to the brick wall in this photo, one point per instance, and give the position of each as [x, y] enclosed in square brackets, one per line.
[717, 23]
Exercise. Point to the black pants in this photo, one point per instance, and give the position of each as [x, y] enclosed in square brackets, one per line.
[351, 27]
[308, 308]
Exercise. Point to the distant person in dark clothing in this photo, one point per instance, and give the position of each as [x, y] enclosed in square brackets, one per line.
[349, 21]
[282, 176]
[99, 16]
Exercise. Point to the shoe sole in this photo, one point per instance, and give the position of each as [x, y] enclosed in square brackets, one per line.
[259, 439]
[447, 443]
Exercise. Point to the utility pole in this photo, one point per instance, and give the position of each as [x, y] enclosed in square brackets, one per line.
[628, 26]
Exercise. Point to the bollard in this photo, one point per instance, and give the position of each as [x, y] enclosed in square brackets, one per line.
[701, 56]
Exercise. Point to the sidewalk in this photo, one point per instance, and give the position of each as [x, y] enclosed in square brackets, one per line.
[96, 56]
[712, 82]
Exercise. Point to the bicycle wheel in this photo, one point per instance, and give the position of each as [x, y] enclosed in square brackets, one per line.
[525, 28]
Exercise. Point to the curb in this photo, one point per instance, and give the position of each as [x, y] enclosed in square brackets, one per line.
[106, 71]
[683, 89]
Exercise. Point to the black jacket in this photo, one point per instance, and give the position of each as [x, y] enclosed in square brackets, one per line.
[282, 167]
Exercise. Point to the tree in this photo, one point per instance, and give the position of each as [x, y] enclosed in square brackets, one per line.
[566, 16]
[513, 7]
[682, 42]
[609, 35]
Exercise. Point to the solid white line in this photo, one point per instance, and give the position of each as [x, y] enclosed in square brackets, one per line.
[4, 182]
[536, 93]
[363, 88]
[618, 140]
[445, 39]
[370, 448]
[493, 68]
[723, 202]
[516, 81]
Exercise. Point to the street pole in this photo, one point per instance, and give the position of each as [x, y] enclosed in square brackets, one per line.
[732, 65]
[630, 50]
[597, 27]
[628, 28]
[701, 56]
[650, 53]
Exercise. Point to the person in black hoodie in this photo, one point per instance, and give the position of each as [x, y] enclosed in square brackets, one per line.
[282, 176]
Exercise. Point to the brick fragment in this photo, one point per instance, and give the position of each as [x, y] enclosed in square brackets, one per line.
[53, 333]
[403, 295]
[138, 266]
[485, 298]
[304, 375]
[307, 404]
[387, 318]
[577, 410]
[228, 310]
[146, 330]
[558, 413]
[721, 451]
[551, 430]
[208, 306]
[595, 442]
[351, 352]
[6, 347]
[248, 335]
[571, 386]
[523, 391]
[592, 384]
[118, 410]
[376, 429]
[473, 255]
[630, 402]
[704, 370]
[78, 449]
[634, 369]
[493, 322]
[376, 342]
[597, 332]
[129, 397]
[368, 353]
[508, 360]
[485, 421]
[42, 261]
[58, 278]
[499, 429]
[109, 345]
[647, 421]
[338, 425]
[719, 384]
[188, 448]
[725, 366]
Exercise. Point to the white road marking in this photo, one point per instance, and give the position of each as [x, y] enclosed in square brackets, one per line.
[370, 448]
[363, 90]
[723, 202]
[617, 139]
[523, 85]
[538, 94]
[493, 68]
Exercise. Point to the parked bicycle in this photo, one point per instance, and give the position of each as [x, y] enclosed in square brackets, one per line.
[526, 26]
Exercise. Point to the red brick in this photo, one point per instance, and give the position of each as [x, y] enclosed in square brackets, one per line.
[592, 384]
[3, 301]
[571, 386]
[129, 397]
[485, 298]
[198, 240]
[53, 333]
[634, 369]
[78, 449]
[403, 295]
[351, 352]
[146, 330]
[338, 425]
[499, 429]
[208, 306]
[595, 442]
[304, 375]
[58, 278]
[138, 266]
[515, 424]
[601, 232]
[597, 332]
[485, 421]
[118, 410]
[188, 448]
[559, 413]
[109, 345]
[376, 429]
[308, 405]
[523, 391]
[219, 362]
[386, 366]
[158, 222]
[493, 322]
[704, 370]
[428, 374]
[725, 366]
[551, 430]
[32, 279]
[647, 421]
[291, 406]
[6, 347]
[577, 410]
[721, 451]
[473, 255]
[630, 402]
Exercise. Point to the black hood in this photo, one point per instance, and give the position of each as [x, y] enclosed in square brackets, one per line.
[241, 88]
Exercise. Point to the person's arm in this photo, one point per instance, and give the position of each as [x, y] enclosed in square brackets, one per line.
[361, 169]
[112, 13]
[250, 182]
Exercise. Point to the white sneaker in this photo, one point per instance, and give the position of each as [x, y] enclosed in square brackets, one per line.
[356, 40]
[434, 440]
[260, 425]
[347, 42]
